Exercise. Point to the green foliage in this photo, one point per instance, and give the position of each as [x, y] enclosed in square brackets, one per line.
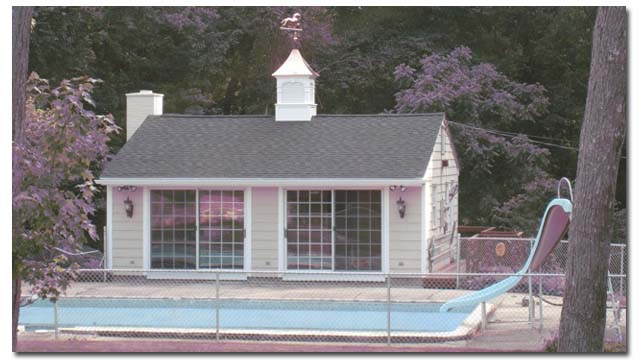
[220, 60]
[53, 181]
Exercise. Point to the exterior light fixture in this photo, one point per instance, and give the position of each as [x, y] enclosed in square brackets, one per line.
[403, 188]
[392, 188]
[402, 207]
[127, 188]
[128, 207]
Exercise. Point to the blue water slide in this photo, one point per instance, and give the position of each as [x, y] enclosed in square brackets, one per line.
[499, 288]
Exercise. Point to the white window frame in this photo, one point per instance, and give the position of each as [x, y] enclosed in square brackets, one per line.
[172, 273]
[289, 274]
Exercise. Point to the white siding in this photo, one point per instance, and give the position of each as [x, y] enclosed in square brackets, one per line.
[126, 232]
[439, 181]
[405, 233]
[264, 245]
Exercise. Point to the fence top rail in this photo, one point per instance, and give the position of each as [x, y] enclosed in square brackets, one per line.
[328, 275]
[529, 239]
[480, 238]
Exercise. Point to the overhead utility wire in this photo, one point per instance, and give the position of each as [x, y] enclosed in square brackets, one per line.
[508, 134]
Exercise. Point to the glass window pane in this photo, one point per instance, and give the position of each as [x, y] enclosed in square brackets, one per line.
[224, 224]
[308, 213]
[172, 230]
[358, 229]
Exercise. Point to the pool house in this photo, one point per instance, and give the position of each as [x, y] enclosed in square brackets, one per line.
[296, 193]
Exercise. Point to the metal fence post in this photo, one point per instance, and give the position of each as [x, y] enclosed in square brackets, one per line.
[483, 313]
[532, 309]
[621, 280]
[540, 298]
[389, 309]
[217, 306]
[458, 263]
[55, 319]
[104, 255]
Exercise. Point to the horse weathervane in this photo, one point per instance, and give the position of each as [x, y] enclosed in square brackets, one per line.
[293, 26]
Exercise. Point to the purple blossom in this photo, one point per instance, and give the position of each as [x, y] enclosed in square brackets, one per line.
[64, 140]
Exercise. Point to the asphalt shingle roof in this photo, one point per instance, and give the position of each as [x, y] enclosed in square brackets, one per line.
[328, 146]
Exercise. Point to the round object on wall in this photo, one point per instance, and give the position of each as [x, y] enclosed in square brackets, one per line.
[501, 249]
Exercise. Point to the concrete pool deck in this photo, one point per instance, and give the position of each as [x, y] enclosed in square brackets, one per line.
[500, 338]
[402, 290]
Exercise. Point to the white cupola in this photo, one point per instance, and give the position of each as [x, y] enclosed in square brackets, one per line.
[296, 89]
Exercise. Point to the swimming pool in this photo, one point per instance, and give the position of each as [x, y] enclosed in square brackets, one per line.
[243, 314]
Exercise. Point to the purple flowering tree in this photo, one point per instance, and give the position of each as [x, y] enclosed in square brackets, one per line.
[498, 173]
[64, 143]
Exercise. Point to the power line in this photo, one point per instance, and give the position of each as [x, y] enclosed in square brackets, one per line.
[507, 133]
[512, 135]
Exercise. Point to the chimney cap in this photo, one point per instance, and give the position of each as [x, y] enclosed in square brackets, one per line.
[145, 93]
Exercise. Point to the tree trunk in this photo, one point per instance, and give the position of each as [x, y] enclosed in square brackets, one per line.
[583, 317]
[16, 289]
[21, 27]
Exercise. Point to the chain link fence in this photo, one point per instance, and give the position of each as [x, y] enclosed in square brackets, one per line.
[305, 306]
[508, 255]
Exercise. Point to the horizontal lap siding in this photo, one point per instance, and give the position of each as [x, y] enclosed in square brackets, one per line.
[442, 178]
[405, 233]
[264, 231]
[126, 232]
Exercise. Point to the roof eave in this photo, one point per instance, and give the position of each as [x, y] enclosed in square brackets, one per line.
[260, 181]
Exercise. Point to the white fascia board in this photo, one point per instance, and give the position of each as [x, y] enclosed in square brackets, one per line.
[258, 182]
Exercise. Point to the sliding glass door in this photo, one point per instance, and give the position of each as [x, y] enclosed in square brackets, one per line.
[197, 229]
[334, 230]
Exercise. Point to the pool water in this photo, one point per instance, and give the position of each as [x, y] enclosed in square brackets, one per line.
[242, 314]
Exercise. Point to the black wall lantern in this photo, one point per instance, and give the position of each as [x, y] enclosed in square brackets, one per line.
[128, 204]
[402, 205]
[128, 207]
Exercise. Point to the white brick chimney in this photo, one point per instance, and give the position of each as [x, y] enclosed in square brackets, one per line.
[296, 89]
[139, 106]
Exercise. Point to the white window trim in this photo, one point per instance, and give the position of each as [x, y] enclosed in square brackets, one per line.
[282, 240]
[423, 228]
[385, 229]
[146, 225]
[109, 239]
[281, 234]
[248, 221]
[146, 235]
